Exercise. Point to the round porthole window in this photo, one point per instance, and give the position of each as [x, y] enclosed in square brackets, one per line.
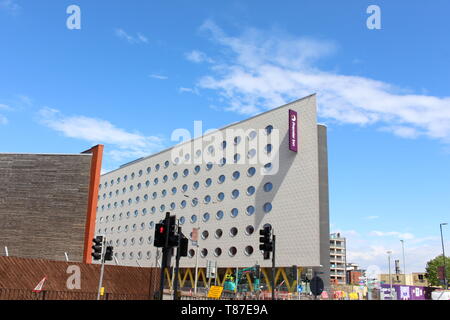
[248, 250]
[267, 207]
[232, 252]
[218, 234]
[233, 231]
[217, 252]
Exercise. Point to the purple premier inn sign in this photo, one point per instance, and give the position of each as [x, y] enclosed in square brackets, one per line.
[293, 139]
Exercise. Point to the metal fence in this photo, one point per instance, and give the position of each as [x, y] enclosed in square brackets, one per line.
[23, 294]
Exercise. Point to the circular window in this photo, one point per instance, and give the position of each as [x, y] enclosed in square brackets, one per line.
[235, 194]
[206, 216]
[252, 135]
[193, 218]
[219, 215]
[196, 169]
[172, 206]
[183, 204]
[157, 167]
[153, 209]
[165, 178]
[248, 250]
[209, 166]
[268, 148]
[155, 181]
[149, 254]
[144, 211]
[149, 170]
[221, 179]
[208, 182]
[221, 196]
[251, 153]
[249, 230]
[164, 193]
[174, 190]
[251, 171]
[236, 175]
[162, 208]
[222, 162]
[187, 156]
[250, 210]
[233, 231]
[182, 220]
[234, 212]
[236, 157]
[205, 235]
[194, 202]
[207, 199]
[268, 187]
[184, 187]
[232, 252]
[224, 144]
[151, 224]
[195, 185]
[211, 149]
[175, 175]
[191, 253]
[218, 234]
[185, 172]
[269, 129]
[217, 252]
[204, 253]
[237, 140]
[166, 164]
[267, 207]
[267, 167]
[198, 153]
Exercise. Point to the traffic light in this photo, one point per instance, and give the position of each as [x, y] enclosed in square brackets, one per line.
[160, 235]
[109, 253]
[294, 272]
[257, 271]
[184, 242]
[265, 242]
[98, 243]
[173, 237]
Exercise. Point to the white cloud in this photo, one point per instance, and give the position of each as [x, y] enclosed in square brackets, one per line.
[198, 57]
[3, 120]
[9, 5]
[159, 77]
[189, 90]
[124, 145]
[139, 38]
[5, 107]
[372, 217]
[400, 235]
[266, 69]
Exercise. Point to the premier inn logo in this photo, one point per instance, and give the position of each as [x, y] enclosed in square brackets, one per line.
[293, 142]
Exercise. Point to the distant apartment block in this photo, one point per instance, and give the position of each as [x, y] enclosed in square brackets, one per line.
[338, 259]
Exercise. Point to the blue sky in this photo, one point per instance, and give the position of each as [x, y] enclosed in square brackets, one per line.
[137, 70]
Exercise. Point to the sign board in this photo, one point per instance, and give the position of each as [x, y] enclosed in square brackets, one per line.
[299, 289]
[215, 292]
[211, 269]
[316, 286]
[40, 285]
[194, 234]
[293, 139]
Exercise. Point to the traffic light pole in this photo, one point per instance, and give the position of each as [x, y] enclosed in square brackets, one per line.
[165, 252]
[177, 266]
[273, 266]
[102, 269]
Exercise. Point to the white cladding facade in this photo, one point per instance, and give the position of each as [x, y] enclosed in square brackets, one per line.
[133, 198]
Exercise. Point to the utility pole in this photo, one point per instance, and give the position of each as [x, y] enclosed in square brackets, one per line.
[102, 269]
[443, 255]
[273, 266]
[166, 251]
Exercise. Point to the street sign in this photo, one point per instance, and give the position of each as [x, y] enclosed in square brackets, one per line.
[215, 292]
[316, 286]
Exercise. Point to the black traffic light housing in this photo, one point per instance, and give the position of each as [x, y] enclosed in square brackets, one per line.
[109, 253]
[97, 247]
[160, 235]
[184, 243]
[265, 242]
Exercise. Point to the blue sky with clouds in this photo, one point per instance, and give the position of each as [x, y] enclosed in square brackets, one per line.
[137, 70]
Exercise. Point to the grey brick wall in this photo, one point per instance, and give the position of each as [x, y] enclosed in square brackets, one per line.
[43, 203]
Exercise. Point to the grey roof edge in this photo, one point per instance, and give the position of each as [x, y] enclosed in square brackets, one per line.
[223, 128]
[45, 154]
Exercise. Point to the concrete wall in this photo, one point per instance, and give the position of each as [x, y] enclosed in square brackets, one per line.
[43, 205]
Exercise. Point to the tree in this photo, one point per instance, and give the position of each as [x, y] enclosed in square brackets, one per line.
[432, 270]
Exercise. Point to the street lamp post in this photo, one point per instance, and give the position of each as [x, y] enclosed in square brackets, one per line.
[390, 278]
[404, 261]
[443, 254]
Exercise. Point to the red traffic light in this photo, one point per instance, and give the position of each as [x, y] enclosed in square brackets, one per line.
[161, 229]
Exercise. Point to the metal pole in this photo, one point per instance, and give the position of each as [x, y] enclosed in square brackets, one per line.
[298, 292]
[404, 261]
[67, 257]
[6, 251]
[273, 266]
[177, 266]
[443, 255]
[196, 261]
[390, 278]
[102, 269]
